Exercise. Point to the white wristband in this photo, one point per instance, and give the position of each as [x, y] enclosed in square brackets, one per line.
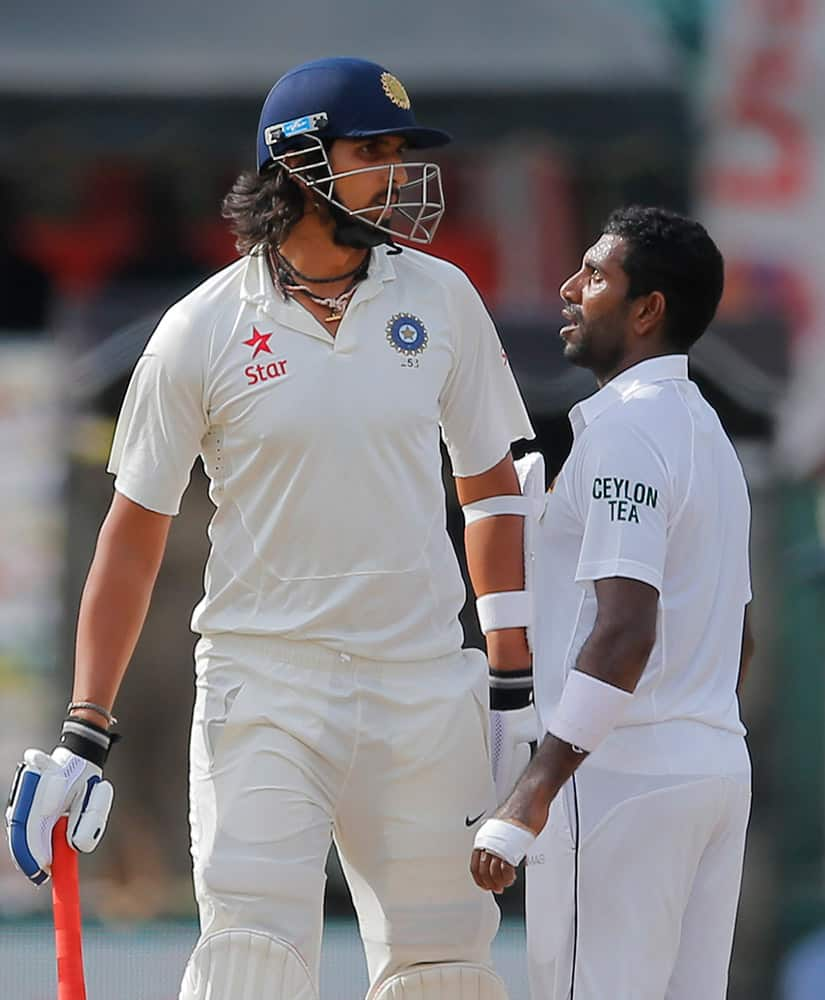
[505, 840]
[505, 609]
[588, 710]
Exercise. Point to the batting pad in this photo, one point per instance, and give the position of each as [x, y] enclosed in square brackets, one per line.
[246, 965]
[447, 981]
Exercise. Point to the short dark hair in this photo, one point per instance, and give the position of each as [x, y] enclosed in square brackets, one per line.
[262, 208]
[671, 254]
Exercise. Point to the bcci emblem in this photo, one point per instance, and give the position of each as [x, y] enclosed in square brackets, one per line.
[394, 90]
[407, 334]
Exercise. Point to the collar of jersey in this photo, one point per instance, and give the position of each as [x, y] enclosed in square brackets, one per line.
[625, 385]
[257, 288]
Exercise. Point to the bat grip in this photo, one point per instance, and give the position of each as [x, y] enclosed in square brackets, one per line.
[67, 921]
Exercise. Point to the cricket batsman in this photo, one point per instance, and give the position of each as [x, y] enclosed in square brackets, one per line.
[315, 378]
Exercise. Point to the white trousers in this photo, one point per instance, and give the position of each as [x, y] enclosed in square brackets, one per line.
[293, 744]
[638, 877]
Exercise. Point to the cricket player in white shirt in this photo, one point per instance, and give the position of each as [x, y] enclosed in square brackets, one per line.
[315, 377]
[640, 644]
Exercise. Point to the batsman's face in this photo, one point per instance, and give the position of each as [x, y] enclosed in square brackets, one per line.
[597, 309]
[380, 160]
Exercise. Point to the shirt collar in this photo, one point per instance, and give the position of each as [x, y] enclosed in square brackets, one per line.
[257, 288]
[626, 384]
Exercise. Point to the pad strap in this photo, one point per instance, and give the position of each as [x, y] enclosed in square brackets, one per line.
[588, 711]
[494, 506]
[505, 609]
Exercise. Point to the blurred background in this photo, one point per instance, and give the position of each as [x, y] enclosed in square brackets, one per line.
[122, 126]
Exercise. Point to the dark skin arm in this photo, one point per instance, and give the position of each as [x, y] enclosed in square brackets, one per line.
[616, 652]
[495, 562]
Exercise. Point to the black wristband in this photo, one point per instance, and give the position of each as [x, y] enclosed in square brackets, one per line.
[86, 739]
[510, 689]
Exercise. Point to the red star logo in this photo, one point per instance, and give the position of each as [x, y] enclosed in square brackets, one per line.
[260, 341]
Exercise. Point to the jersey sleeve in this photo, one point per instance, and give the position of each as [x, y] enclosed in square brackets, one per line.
[622, 492]
[163, 419]
[482, 411]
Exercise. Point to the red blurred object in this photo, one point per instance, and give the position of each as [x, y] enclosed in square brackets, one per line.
[68, 938]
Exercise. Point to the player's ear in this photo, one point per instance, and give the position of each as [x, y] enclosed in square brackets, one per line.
[650, 313]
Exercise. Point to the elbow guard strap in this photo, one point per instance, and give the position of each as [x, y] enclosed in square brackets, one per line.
[494, 506]
[588, 711]
[505, 609]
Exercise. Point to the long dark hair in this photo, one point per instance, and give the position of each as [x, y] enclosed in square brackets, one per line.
[262, 208]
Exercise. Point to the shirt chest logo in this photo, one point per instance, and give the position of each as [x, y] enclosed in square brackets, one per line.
[407, 334]
[259, 342]
[266, 370]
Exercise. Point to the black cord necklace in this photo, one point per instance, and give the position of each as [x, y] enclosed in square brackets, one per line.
[284, 275]
[281, 263]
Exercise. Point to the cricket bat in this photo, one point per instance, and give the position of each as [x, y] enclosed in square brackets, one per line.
[68, 940]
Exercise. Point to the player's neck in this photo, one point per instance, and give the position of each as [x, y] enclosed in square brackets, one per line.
[311, 249]
[631, 359]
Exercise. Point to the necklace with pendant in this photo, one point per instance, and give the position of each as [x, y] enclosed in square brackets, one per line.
[285, 274]
[337, 304]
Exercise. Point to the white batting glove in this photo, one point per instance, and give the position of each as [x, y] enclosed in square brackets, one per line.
[511, 735]
[47, 787]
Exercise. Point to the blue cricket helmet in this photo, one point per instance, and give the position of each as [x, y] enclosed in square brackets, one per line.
[338, 98]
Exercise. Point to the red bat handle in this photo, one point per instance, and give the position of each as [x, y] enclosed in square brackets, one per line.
[67, 923]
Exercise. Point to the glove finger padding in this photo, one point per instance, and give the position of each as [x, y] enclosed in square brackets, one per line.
[30, 852]
[46, 788]
[38, 760]
[89, 815]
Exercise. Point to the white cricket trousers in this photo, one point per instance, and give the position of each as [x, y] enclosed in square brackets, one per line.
[658, 859]
[292, 744]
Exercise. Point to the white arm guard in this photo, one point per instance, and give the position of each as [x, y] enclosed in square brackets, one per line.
[514, 609]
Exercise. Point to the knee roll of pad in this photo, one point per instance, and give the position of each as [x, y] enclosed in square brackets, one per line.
[246, 965]
[442, 981]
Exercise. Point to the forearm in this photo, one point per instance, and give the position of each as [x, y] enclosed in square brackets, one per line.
[616, 662]
[614, 657]
[113, 609]
[495, 554]
[552, 764]
[495, 561]
[608, 668]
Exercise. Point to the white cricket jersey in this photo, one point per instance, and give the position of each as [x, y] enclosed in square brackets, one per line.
[323, 452]
[652, 490]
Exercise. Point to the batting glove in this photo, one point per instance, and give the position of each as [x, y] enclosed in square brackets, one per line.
[513, 727]
[46, 787]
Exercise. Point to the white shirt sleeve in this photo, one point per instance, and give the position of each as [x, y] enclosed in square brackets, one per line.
[621, 489]
[482, 411]
[163, 418]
